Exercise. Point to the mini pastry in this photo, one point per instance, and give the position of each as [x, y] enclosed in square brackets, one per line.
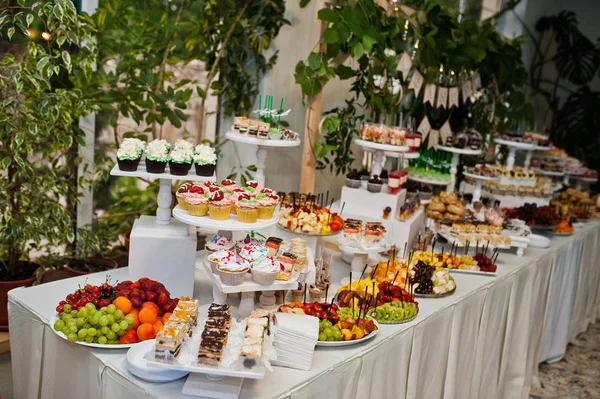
[287, 261]
[228, 185]
[455, 209]
[267, 203]
[180, 162]
[197, 201]
[265, 269]
[246, 209]
[245, 241]
[222, 256]
[434, 214]
[273, 244]
[252, 252]
[253, 128]
[129, 154]
[157, 156]
[205, 160]
[232, 273]
[182, 193]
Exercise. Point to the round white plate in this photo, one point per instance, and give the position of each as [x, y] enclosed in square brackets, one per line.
[586, 179]
[428, 181]
[105, 346]
[138, 365]
[353, 342]
[310, 235]
[478, 177]
[560, 234]
[352, 250]
[230, 224]
[463, 151]
[406, 155]
[516, 144]
[242, 138]
[381, 147]
[538, 241]
[547, 172]
[435, 295]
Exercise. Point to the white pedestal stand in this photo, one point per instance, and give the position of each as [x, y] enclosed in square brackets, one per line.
[478, 184]
[513, 146]
[456, 153]
[529, 154]
[359, 257]
[580, 180]
[161, 248]
[261, 152]
[379, 152]
[433, 182]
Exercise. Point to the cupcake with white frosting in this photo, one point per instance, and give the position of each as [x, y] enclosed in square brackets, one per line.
[265, 269]
[157, 156]
[232, 273]
[129, 154]
[180, 162]
[205, 160]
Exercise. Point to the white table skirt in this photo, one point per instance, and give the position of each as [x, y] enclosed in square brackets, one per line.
[484, 341]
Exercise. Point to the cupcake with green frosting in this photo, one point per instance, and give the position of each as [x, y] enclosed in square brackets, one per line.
[129, 154]
[180, 162]
[157, 156]
[205, 160]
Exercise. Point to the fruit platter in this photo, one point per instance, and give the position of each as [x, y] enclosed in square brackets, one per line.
[564, 228]
[480, 263]
[386, 302]
[302, 214]
[114, 316]
[337, 326]
[540, 218]
[431, 282]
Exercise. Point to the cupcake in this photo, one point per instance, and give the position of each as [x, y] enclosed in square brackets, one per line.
[222, 256]
[265, 269]
[316, 294]
[180, 162]
[218, 207]
[232, 273]
[246, 208]
[247, 240]
[234, 197]
[250, 191]
[252, 183]
[129, 154]
[205, 160]
[182, 193]
[252, 252]
[267, 204]
[228, 185]
[218, 243]
[157, 156]
[197, 202]
[353, 179]
[184, 146]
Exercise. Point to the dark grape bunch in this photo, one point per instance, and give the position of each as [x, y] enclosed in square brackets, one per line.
[422, 277]
[533, 215]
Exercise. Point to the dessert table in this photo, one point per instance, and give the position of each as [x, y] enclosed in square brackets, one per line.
[485, 340]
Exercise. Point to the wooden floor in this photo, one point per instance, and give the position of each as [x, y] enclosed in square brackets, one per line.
[4, 343]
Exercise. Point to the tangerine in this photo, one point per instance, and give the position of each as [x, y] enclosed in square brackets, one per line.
[136, 320]
[148, 315]
[150, 304]
[165, 317]
[146, 331]
[134, 311]
[123, 304]
[158, 325]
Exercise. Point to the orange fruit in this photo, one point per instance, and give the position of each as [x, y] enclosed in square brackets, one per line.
[123, 304]
[146, 331]
[134, 311]
[151, 304]
[148, 315]
[165, 317]
[136, 321]
[158, 325]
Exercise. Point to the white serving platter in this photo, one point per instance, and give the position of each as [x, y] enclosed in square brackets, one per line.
[142, 172]
[231, 224]
[83, 343]
[352, 342]
[242, 138]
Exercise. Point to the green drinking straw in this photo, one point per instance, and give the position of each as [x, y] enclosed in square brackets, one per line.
[259, 107]
[280, 111]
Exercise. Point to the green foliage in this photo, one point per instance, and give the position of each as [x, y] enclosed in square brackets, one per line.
[375, 39]
[38, 127]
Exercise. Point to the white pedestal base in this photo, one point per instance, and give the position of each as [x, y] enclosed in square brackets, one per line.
[224, 388]
[166, 253]
[371, 205]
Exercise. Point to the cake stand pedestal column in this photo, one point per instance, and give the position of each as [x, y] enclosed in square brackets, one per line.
[261, 163]
[267, 300]
[377, 168]
[510, 161]
[528, 156]
[453, 171]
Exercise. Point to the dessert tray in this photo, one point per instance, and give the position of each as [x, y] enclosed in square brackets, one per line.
[54, 318]
[453, 239]
[231, 363]
[517, 144]
[250, 286]
[558, 233]
[462, 151]
[475, 272]
[541, 227]
[244, 138]
[137, 365]
[428, 181]
[142, 172]
[481, 177]
[381, 147]
[333, 233]
[231, 224]
[435, 295]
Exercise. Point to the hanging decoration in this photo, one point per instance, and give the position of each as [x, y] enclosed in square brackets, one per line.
[476, 79]
[416, 81]
[429, 95]
[445, 132]
[442, 97]
[453, 97]
[405, 65]
[424, 127]
[466, 90]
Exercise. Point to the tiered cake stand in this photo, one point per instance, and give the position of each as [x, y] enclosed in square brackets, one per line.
[456, 153]
[529, 154]
[379, 150]
[261, 153]
[162, 248]
[479, 184]
[513, 146]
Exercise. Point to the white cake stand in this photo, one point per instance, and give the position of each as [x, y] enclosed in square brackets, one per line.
[548, 173]
[479, 183]
[580, 180]
[261, 153]
[159, 241]
[456, 153]
[427, 181]
[379, 152]
[513, 146]
[360, 256]
[529, 154]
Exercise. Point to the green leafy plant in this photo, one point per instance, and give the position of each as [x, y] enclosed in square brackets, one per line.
[38, 126]
[375, 37]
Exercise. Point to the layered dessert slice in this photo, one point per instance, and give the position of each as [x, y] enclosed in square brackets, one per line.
[168, 342]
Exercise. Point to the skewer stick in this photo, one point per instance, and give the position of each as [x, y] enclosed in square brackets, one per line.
[363, 272]
[305, 286]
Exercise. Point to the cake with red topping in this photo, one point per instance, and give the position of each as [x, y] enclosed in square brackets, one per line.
[218, 206]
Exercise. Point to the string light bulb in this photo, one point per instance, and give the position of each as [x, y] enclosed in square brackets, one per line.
[46, 36]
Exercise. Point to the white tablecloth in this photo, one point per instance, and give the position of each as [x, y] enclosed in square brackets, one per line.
[485, 341]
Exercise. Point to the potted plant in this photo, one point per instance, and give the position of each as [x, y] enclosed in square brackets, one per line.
[87, 257]
[39, 109]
